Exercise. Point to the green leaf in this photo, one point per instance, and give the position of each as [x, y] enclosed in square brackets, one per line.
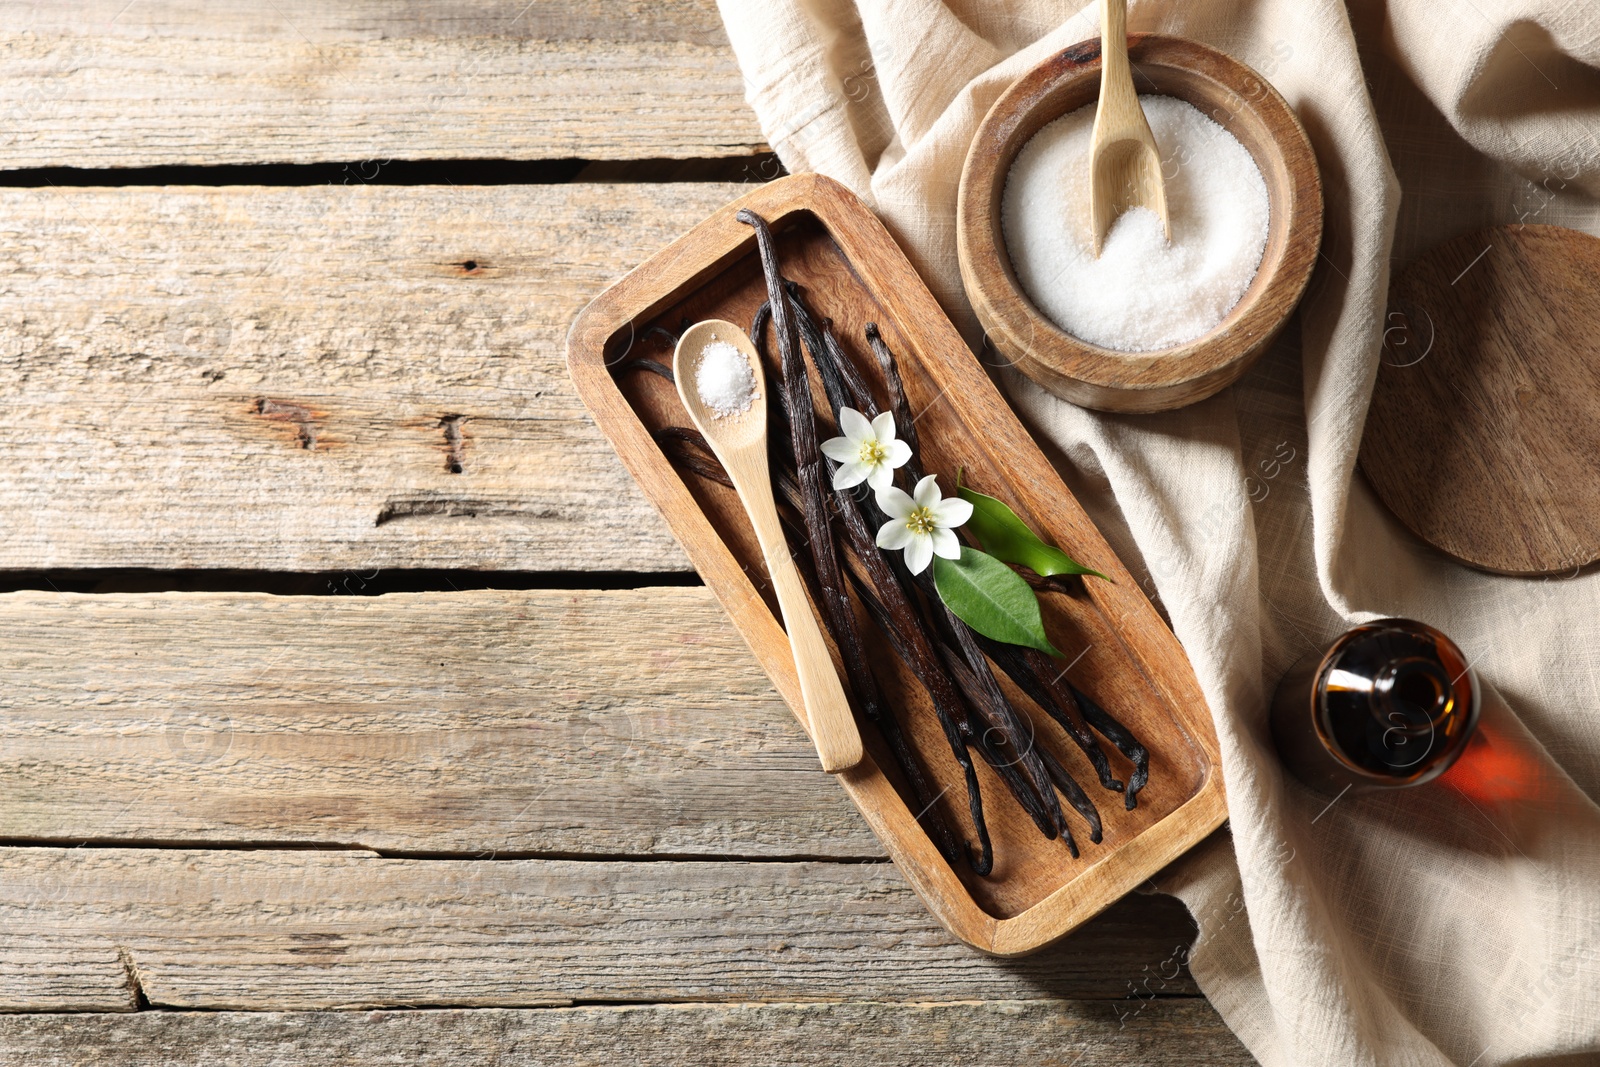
[1006, 537]
[991, 598]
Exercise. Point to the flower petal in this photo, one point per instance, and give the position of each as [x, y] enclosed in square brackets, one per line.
[883, 427]
[926, 493]
[894, 534]
[945, 544]
[854, 425]
[893, 502]
[896, 454]
[850, 475]
[952, 512]
[840, 448]
[881, 477]
[919, 553]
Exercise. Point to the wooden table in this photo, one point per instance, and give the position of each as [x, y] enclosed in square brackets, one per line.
[355, 706]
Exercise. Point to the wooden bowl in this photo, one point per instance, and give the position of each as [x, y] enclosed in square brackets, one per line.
[1244, 104]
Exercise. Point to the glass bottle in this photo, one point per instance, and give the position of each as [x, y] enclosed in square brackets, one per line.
[1390, 703]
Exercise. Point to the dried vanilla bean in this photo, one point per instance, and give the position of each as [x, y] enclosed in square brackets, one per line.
[686, 448]
[983, 691]
[1060, 777]
[1030, 783]
[832, 384]
[897, 391]
[639, 363]
[847, 366]
[901, 621]
[981, 731]
[1108, 727]
[841, 381]
[984, 864]
[778, 434]
[795, 399]
[809, 468]
[1075, 795]
[907, 630]
[1007, 770]
[1028, 777]
[1120, 736]
[923, 659]
[1037, 677]
[758, 323]
[1064, 583]
[647, 363]
[946, 706]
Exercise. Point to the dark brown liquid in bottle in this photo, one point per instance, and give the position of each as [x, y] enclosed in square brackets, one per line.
[1390, 703]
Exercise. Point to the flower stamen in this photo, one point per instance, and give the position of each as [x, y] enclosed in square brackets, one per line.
[920, 522]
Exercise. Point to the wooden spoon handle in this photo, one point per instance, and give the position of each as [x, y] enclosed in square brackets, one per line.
[833, 727]
[1115, 77]
[1118, 112]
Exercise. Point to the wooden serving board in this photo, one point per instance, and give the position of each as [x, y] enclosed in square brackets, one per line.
[1485, 418]
[1120, 652]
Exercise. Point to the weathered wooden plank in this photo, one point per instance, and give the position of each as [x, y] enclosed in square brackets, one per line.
[318, 929]
[691, 21]
[110, 83]
[316, 378]
[996, 1034]
[574, 723]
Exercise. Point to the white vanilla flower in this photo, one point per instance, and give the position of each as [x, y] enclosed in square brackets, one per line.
[868, 451]
[922, 523]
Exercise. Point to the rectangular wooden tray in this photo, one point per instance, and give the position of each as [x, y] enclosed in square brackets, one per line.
[1121, 652]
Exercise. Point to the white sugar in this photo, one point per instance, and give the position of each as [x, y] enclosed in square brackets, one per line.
[724, 380]
[1142, 294]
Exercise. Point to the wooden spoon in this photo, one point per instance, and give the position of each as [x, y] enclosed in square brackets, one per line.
[1124, 165]
[740, 443]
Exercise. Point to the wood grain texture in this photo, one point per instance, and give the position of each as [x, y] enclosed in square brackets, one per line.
[840, 255]
[994, 1034]
[691, 21]
[1485, 419]
[289, 379]
[117, 84]
[1250, 109]
[301, 930]
[630, 723]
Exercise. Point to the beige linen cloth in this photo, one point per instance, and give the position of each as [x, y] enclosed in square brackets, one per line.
[1443, 925]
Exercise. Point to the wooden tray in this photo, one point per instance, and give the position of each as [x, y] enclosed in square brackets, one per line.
[1126, 659]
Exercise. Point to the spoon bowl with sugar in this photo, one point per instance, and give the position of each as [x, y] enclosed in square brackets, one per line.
[1124, 163]
[723, 387]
